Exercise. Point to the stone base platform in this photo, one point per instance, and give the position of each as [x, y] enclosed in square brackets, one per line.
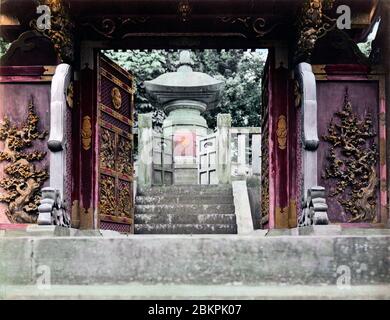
[199, 260]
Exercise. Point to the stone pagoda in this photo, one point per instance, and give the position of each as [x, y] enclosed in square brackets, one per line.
[184, 95]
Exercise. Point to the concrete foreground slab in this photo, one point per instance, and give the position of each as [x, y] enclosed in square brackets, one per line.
[194, 292]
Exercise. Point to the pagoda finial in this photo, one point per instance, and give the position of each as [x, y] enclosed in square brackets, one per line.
[185, 61]
[185, 57]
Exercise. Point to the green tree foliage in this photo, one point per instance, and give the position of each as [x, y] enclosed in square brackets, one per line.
[365, 48]
[3, 47]
[241, 71]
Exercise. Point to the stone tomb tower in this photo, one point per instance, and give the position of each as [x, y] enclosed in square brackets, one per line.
[184, 95]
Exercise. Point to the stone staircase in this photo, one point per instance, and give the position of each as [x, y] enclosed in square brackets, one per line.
[185, 209]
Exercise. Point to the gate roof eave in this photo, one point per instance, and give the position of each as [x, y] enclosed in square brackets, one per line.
[115, 20]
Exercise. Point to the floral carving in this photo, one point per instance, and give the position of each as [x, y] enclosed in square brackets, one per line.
[352, 159]
[124, 198]
[107, 195]
[24, 180]
[124, 156]
[107, 149]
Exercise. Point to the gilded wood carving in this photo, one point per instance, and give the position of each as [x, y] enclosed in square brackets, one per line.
[69, 95]
[124, 196]
[312, 24]
[86, 133]
[24, 180]
[351, 163]
[107, 195]
[107, 149]
[124, 156]
[265, 178]
[281, 132]
[116, 98]
[61, 29]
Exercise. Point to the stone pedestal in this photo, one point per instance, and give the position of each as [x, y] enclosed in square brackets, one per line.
[184, 125]
[184, 95]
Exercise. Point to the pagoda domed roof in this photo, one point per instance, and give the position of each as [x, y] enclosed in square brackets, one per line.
[185, 84]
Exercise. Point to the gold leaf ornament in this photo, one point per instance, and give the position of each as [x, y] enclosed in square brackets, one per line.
[116, 98]
[281, 132]
[86, 133]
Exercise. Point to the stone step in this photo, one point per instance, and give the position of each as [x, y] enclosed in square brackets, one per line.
[189, 189]
[174, 218]
[185, 208]
[184, 199]
[185, 228]
[238, 260]
[136, 291]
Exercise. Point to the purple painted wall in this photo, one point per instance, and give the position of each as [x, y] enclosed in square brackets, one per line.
[330, 96]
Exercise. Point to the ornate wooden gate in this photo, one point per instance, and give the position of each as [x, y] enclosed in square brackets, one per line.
[115, 103]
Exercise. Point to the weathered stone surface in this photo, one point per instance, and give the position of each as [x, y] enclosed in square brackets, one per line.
[365, 231]
[202, 260]
[144, 163]
[197, 208]
[177, 199]
[34, 230]
[16, 260]
[190, 209]
[172, 218]
[186, 189]
[320, 230]
[195, 292]
[242, 207]
[283, 232]
[193, 228]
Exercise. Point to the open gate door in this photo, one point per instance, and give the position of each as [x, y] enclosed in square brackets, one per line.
[115, 110]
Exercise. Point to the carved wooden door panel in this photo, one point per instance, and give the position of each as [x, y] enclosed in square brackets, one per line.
[207, 157]
[115, 103]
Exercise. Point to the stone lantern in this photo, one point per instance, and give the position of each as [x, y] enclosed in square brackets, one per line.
[184, 95]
